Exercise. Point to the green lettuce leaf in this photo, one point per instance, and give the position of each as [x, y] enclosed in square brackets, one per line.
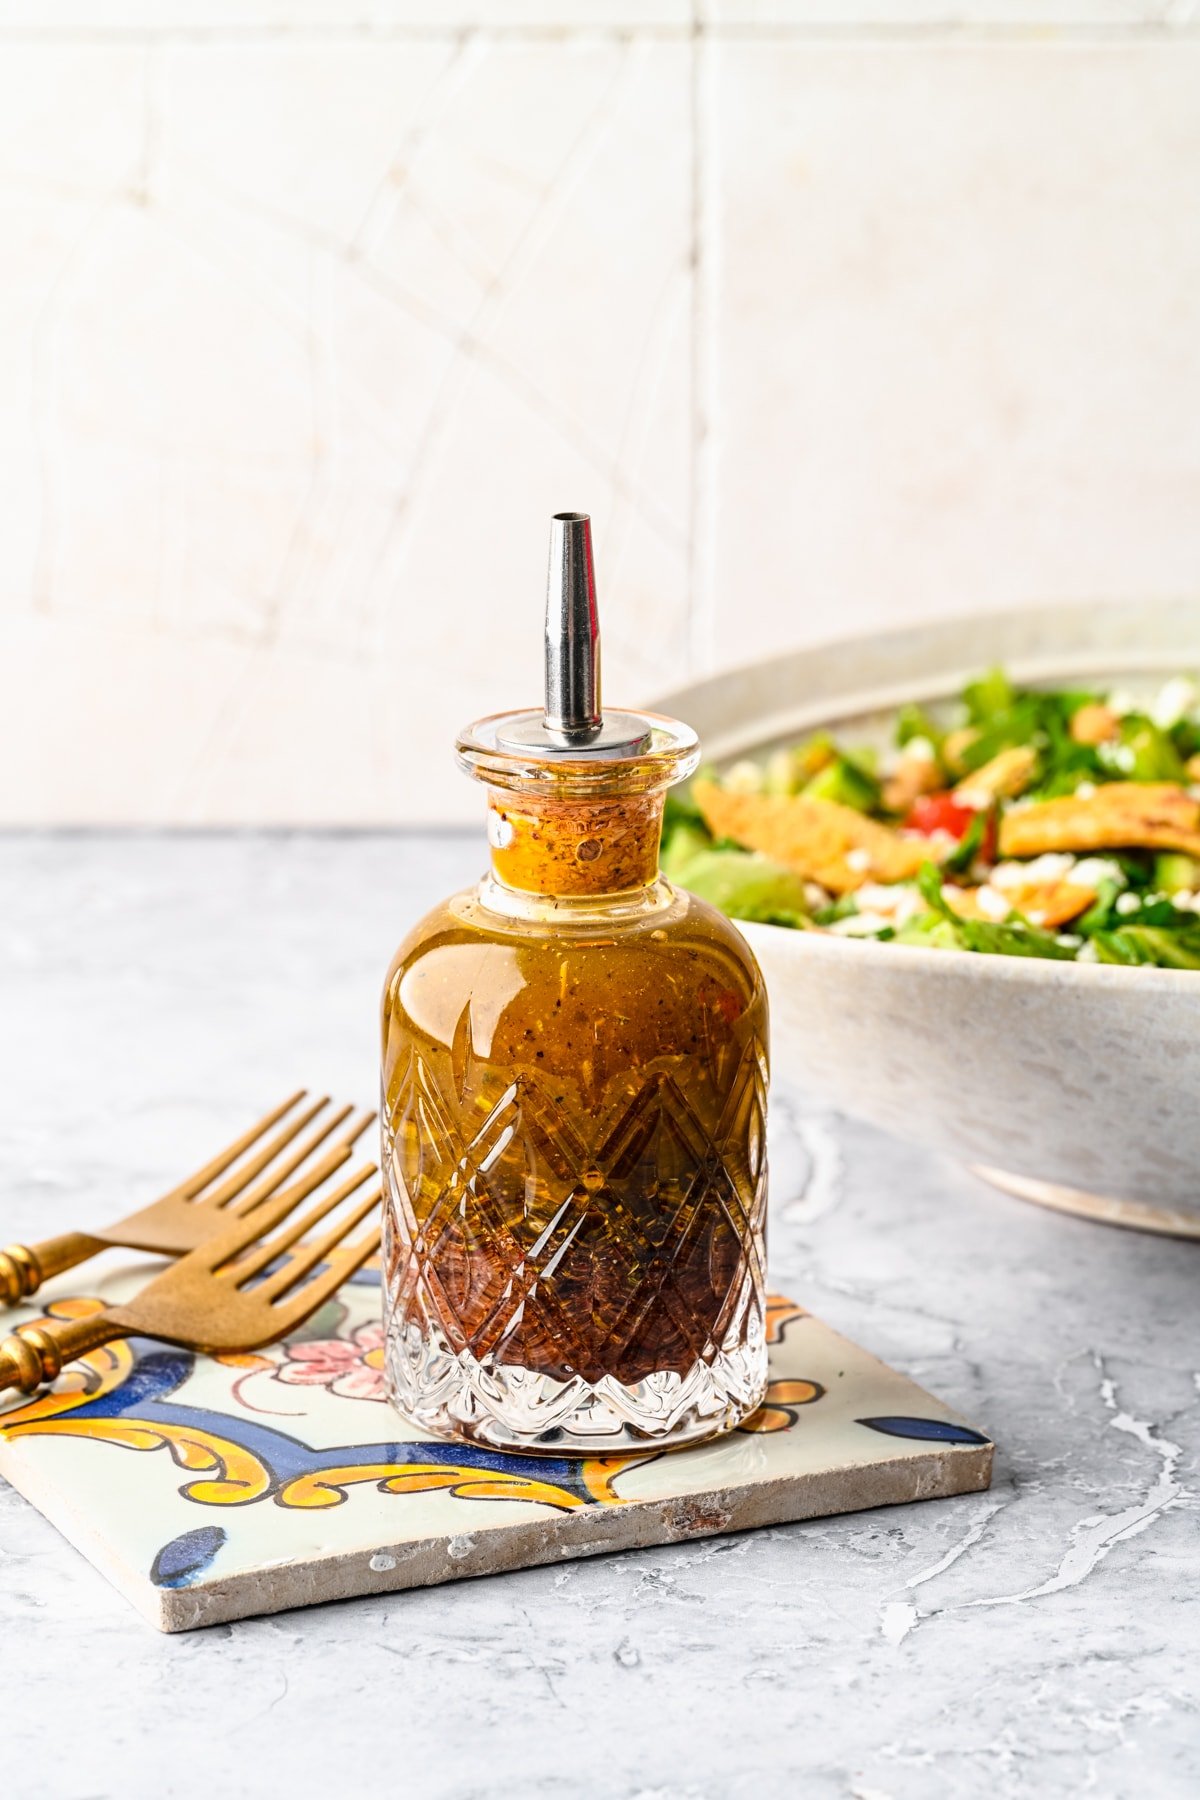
[1157, 945]
[847, 783]
[744, 884]
[1014, 937]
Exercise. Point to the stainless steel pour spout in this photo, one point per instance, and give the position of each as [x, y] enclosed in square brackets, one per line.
[572, 632]
[573, 722]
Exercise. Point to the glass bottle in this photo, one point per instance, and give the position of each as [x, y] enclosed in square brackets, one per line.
[574, 1086]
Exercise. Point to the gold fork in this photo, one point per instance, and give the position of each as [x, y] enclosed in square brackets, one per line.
[212, 1299]
[200, 1206]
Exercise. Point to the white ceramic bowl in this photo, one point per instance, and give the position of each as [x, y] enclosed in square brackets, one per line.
[1074, 1084]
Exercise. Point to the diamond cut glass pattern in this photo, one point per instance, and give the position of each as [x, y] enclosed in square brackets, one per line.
[574, 1245]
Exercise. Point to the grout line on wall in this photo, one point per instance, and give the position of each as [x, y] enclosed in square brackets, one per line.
[701, 520]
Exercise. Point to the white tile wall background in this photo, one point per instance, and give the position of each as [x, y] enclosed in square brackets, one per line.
[311, 313]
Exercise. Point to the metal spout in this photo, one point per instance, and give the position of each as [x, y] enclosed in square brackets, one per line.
[573, 713]
[572, 724]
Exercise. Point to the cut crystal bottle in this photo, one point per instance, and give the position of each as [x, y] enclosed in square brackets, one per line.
[574, 1088]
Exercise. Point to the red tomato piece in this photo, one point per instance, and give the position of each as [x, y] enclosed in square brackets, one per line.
[931, 813]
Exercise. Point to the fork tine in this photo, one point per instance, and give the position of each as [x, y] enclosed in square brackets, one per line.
[219, 1253]
[253, 1204]
[304, 1259]
[317, 1289]
[268, 1249]
[241, 1178]
[237, 1205]
[239, 1146]
[238, 1209]
[252, 1200]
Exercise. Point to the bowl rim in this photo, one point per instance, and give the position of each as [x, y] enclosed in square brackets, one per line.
[1039, 643]
[975, 965]
[801, 688]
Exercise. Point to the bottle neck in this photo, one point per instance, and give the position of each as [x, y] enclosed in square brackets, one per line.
[572, 848]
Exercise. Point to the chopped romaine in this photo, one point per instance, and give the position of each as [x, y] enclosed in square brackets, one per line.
[1175, 873]
[1018, 938]
[846, 783]
[844, 907]
[1150, 944]
[914, 722]
[744, 884]
[682, 844]
[788, 771]
[1103, 910]
[681, 809]
[980, 832]
[988, 695]
[1143, 752]
[1104, 785]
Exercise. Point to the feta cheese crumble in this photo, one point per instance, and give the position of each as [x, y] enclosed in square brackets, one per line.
[992, 904]
[880, 908]
[1090, 871]
[899, 903]
[1052, 866]
[1174, 701]
[744, 778]
[864, 924]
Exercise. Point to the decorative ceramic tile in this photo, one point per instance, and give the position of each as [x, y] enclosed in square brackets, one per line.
[210, 1489]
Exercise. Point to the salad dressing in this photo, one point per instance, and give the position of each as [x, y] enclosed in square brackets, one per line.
[574, 1092]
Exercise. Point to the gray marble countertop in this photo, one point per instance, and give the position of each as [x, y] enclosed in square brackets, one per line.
[1037, 1639]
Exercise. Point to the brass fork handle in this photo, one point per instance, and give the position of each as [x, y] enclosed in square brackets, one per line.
[34, 1354]
[24, 1267]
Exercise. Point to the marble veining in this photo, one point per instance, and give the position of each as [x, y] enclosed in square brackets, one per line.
[1036, 1639]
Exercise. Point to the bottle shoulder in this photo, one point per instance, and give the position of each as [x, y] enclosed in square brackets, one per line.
[436, 926]
[674, 922]
[678, 986]
[705, 919]
[648, 980]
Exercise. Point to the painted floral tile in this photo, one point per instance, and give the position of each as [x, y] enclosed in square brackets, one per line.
[210, 1489]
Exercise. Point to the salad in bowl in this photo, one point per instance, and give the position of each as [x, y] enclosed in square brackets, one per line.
[974, 897]
[1054, 822]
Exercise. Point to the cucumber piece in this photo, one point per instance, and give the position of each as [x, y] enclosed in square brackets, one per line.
[1176, 873]
[845, 783]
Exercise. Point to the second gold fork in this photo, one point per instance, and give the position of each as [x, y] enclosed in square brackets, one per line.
[241, 1289]
[202, 1204]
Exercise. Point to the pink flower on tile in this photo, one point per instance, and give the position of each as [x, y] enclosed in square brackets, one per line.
[351, 1367]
